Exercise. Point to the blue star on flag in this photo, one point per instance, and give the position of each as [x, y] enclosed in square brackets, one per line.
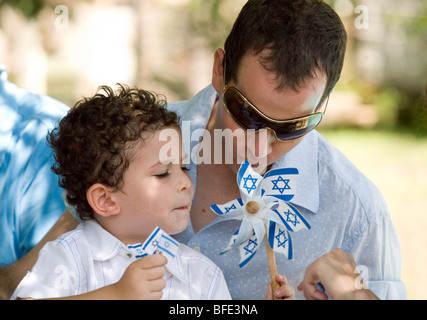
[291, 217]
[253, 180]
[251, 246]
[278, 237]
[227, 210]
[285, 184]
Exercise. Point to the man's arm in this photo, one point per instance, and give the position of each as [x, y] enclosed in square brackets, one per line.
[11, 275]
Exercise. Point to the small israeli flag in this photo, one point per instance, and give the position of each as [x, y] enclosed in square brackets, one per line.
[280, 183]
[160, 241]
[279, 239]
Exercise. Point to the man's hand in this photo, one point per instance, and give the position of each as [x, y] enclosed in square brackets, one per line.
[336, 272]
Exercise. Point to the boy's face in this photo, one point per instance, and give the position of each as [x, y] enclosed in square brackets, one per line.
[153, 193]
[260, 87]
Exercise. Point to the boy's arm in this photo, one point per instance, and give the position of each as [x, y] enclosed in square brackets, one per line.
[11, 275]
[142, 280]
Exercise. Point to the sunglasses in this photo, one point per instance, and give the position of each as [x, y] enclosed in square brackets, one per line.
[246, 115]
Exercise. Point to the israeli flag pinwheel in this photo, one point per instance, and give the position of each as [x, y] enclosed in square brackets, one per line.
[265, 212]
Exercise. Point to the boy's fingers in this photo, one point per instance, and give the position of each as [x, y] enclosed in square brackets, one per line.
[154, 273]
[281, 280]
[152, 261]
[157, 285]
[269, 295]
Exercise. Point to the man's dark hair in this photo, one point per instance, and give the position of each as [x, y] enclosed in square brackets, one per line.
[94, 142]
[302, 37]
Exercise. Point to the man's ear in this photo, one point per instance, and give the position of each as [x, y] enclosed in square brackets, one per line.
[218, 70]
[101, 199]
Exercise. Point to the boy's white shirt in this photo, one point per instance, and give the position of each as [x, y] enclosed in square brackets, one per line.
[89, 258]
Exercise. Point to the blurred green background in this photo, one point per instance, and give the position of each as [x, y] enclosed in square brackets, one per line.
[377, 114]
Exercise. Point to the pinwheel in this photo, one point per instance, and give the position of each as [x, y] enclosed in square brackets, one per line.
[265, 213]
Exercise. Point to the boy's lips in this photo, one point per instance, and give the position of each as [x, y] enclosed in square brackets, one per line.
[185, 207]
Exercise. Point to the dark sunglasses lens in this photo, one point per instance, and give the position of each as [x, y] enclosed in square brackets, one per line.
[248, 118]
[298, 128]
[241, 111]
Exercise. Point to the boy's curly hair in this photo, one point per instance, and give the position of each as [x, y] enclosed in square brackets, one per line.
[93, 142]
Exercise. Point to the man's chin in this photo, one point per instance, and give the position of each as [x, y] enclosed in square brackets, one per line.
[259, 167]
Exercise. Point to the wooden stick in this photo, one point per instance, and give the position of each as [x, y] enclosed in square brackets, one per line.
[271, 258]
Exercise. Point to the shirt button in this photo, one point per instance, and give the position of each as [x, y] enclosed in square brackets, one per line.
[129, 255]
[197, 248]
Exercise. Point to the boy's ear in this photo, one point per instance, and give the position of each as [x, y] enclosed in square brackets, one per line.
[101, 199]
[218, 70]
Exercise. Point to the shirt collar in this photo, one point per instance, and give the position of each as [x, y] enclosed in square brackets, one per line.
[304, 157]
[103, 244]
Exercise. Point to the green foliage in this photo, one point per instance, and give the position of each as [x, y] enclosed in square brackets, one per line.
[212, 20]
[29, 8]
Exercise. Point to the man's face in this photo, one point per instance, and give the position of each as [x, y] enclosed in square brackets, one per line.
[260, 87]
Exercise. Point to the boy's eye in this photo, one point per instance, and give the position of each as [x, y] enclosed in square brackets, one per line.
[163, 175]
[185, 168]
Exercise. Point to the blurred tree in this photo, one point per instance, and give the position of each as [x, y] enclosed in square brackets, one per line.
[212, 20]
[29, 8]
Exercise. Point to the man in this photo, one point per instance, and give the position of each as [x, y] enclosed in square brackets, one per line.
[281, 61]
[30, 198]
[285, 57]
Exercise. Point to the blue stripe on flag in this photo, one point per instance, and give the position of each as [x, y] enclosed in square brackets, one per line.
[217, 210]
[242, 171]
[277, 172]
[170, 239]
[245, 262]
[284, 197]
[167, 251]
[271, 231]
[290, 246]
[135, 246]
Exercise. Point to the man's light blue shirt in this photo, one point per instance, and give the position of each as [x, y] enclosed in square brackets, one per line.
[30, 199]
[345, 210]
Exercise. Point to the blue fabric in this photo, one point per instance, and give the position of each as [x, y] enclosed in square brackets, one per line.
[30, 199]
[345, 210]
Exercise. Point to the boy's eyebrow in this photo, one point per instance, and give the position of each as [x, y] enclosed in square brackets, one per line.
[158, 163]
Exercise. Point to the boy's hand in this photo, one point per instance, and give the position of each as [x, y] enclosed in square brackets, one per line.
[142, 280]
[284, 292]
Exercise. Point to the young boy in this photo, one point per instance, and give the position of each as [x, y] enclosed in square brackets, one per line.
[107, 152]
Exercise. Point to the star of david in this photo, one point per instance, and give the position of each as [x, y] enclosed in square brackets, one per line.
[155, 243]
[291, 217]
[285, 184]
[229, 208]
[279, 235]
[250, 246]
[253, 187]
